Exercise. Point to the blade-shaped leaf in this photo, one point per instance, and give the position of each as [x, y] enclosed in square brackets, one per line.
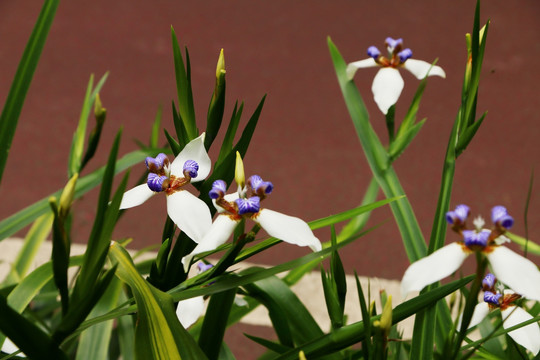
[159, 334]
[23, 78]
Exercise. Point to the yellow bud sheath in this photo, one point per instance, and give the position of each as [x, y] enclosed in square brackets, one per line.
[239, 175]
[220, 69]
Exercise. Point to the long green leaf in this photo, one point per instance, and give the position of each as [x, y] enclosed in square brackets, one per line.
[23, 77]
[77, 145]
[26, 335]
[19, 220]
[215, 322]
[94, 342]
[33, 240]
[159, 334]
[183, 86]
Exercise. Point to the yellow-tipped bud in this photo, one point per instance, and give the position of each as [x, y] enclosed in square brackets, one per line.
[220, 69]
[386, 316]
[239, 175]
[99, 110]
[301, 355]
[66, 199]
[481, 33]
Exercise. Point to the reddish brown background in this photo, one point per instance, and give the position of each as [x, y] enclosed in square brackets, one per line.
[305, 143]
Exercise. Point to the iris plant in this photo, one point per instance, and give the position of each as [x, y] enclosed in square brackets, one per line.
[388, 83]
[246, 204]
[187, 211]
[515, 271]
[527, 336]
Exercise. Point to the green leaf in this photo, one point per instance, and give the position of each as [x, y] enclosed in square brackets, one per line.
[217, 104]
[468, 134]
[183, 87]
[228, 140]
[31, 285]
[126, 331]
[175, 146]
[104, 221]
[23, 78]
[77, 145]
[315, 224]
[403, 140]
[19, 220]
[303, 326]
[270, 345]
[156, 126]
[159, 334]
[27, 336]
[94, 342]
[215, 322]
[358, 222]
[39, 231]
[366, 342]
[60, 256]
[225, 169]
[532, 247]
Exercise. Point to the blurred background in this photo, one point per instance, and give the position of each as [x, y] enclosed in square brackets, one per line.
[305, 142]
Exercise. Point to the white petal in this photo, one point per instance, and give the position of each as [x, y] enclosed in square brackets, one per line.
[9, 348]
[515, 271]
[480, 312]
[527, 336]
[218, 234]
[194, 150]
[190, 310]
[190, 213]
[136, 196]
[434, 267]
[366, 63]
[386, 88]
[287, 228]
[420, 69]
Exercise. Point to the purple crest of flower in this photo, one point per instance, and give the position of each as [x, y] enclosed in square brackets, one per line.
[460, 213]
[156, 163]
[203, 267]
[405, 54]
[473, 238]
[155, 182]
[249, 205]
[254, 181]
[499, 215]
[257, 183]
[218, 189]
[373, 52]
[191, 167]
[489, 282]
[492, 298]
[392, 43]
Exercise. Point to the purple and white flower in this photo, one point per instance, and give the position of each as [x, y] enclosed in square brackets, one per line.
[388, 83]
[187, 211]
[518, 273]
[527, 336]
[246, 203]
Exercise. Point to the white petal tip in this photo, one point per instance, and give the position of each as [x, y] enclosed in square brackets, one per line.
[351, 70]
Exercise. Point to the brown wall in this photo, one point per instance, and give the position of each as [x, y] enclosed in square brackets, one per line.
[305, 143]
